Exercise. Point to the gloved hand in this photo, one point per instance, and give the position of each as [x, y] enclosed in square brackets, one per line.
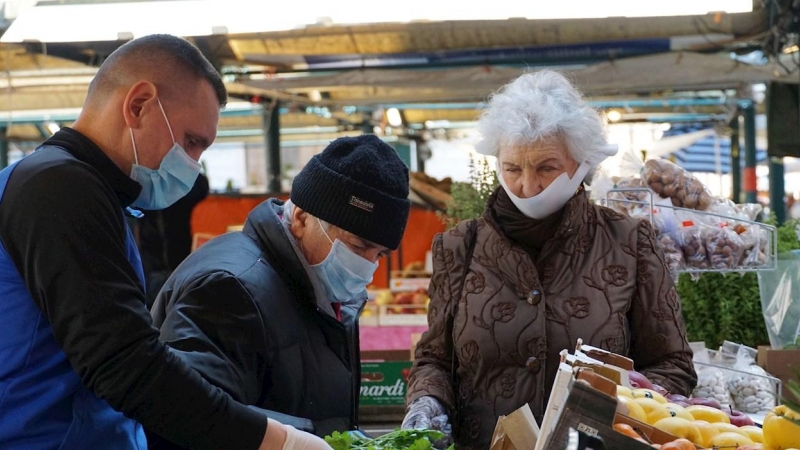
[300, 440]
[427, 413]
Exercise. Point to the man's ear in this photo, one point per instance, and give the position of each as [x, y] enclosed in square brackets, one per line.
[135, 101]
[299, 223]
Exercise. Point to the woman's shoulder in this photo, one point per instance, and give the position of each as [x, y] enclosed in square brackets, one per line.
[459, 235]
[617, 222]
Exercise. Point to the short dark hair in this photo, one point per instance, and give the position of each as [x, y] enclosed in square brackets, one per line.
[159, 57]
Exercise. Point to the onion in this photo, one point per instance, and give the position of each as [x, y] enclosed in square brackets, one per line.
[639, 381]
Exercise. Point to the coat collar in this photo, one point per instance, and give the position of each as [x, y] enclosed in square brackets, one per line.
[577, 213]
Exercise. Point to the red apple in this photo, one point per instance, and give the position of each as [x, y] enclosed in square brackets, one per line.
[675, 398]
[739, 418]
[705, 402]
[639, 381]
[660, 390]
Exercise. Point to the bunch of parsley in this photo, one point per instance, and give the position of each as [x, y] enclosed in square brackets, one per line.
[396, 440]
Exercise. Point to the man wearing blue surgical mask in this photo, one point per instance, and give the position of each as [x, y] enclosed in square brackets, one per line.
[82, 365]
[270, 314]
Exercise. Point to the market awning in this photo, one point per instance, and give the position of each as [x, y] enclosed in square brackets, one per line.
[650, 73]
[710, 154]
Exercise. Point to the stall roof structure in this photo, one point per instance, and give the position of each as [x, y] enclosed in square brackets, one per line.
[341, 65]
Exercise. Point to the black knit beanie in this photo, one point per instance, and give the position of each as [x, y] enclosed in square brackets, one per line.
[360, 185]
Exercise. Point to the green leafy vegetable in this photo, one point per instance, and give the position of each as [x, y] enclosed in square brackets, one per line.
[469, 199]
[794, 388]
[396, 440]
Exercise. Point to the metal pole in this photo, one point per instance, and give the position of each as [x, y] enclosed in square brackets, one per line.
[3, 148]
[736, 162]
[750, 185]
[272, 136]
[777, 190]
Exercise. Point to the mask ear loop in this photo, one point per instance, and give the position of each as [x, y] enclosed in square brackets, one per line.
[169, 126]
[135, 153]
[323, 230]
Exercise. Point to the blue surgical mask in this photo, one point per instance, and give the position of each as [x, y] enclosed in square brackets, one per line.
[172, 181]
[344, 274]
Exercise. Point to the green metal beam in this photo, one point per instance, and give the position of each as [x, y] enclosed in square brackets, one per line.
[750, 185]
[272, 139]
[777, 189]
[736, 162]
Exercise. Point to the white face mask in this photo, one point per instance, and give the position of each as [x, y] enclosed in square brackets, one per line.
[550, 200]
[344, 274]
[173, 179]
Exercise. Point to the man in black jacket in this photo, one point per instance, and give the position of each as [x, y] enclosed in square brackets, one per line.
[270, 314]
[81, 361]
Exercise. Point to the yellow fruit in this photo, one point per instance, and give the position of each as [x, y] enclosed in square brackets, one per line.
[655, 411]
[624, 392]
[384, 297]
[728, 439]
[754, 433]
[756, 446]
[729, 428]
[678, 411]
[707, 413]
[647, 393]
[780, 433]
[681, 428]
[635, 411]
[707, 431]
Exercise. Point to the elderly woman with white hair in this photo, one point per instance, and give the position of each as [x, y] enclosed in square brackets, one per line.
[541, 268]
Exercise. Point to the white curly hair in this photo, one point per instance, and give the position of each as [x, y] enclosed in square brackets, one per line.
[541, 105]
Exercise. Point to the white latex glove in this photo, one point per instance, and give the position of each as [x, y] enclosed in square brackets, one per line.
[300, 440]
[428, 414]
[425, 413]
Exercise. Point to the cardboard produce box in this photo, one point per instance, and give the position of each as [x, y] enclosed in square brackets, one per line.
[781, 364]
[594, 412]
[384, 384]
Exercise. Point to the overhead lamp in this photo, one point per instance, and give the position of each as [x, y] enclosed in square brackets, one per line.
[791, 49]
[52, 127]
[394, 117]
[614, 116]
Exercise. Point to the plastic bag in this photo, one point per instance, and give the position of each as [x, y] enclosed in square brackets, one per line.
[712, 383]
[757, 247]
[666, 224]
[749, 211]
[755, 239]
[780, 301]
[690, 237]
[629, 203]
[673, 251]
[723, 244]
[671, 181]
[723, 247]
[750, 393]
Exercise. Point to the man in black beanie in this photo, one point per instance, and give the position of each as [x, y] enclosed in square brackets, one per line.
[270, 314]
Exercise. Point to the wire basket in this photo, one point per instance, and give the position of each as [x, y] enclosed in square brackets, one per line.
[771, 262]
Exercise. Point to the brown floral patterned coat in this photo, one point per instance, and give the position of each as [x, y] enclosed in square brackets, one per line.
[599, 278]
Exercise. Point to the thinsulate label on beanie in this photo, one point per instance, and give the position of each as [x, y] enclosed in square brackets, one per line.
[362, 204]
